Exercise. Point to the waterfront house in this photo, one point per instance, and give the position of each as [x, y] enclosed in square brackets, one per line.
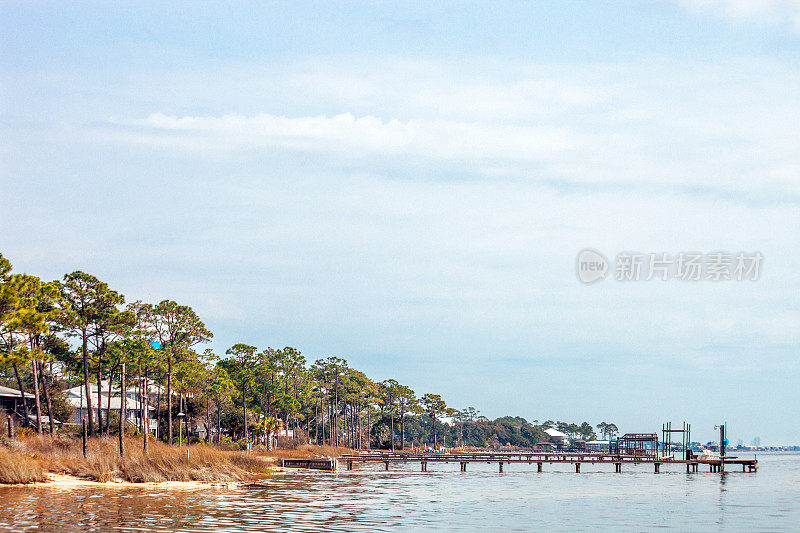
[598, 445]
[11, 401]
[111, 398]
[12, 405]
[557, 436]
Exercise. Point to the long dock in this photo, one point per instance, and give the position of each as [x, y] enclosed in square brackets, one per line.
[575, 458]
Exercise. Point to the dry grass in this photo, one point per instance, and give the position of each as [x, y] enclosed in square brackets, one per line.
[19, 468]
[103, 463]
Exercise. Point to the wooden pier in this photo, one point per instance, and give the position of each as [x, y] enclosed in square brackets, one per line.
[576, 459]
[326, 463]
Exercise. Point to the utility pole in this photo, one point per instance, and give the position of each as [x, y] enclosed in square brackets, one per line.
[123, 404]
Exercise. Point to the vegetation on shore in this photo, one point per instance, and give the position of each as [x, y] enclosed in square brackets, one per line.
[29, 459]
[78, 331]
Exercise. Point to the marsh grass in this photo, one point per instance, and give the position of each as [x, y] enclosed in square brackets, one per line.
[30, 458]
[19, 468]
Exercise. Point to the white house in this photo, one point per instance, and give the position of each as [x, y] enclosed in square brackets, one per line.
[134, 410]
[556, 434]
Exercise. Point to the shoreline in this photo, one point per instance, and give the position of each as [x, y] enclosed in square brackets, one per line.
[60, 462]
[69, 482]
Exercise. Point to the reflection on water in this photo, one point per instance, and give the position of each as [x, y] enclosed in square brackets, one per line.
[443, 498]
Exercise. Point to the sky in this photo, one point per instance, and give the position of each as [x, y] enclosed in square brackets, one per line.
[407, 185]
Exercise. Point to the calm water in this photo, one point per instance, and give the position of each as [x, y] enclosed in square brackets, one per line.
[443, 498]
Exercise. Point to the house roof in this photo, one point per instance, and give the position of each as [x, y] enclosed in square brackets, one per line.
[555, 433]
[132, 386]
[116, 403]
[9, 392]
[76, 398]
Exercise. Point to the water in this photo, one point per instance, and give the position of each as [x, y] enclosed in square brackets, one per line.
[404, 499]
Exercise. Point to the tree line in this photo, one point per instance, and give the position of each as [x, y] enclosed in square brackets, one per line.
[78, 330]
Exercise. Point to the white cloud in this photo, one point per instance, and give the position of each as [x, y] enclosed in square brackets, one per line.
[774, 12]
[437, 138]
[726, 128]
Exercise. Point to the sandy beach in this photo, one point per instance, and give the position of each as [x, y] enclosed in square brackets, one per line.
[67, 482]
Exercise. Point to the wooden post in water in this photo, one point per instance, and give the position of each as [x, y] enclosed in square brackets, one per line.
[501, 467]
[577, 468]
[538, 467]
[83, 434]
[387, 465]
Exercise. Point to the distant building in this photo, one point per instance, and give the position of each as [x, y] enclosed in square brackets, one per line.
[598, 445]
[556, 435]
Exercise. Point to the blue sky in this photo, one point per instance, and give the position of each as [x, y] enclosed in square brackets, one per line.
[407, 185]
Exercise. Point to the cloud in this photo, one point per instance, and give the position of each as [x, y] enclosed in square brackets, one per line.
[723, 129]
[439, 139]
[773, 12]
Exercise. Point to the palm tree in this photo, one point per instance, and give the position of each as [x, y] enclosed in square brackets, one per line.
[270, 425]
